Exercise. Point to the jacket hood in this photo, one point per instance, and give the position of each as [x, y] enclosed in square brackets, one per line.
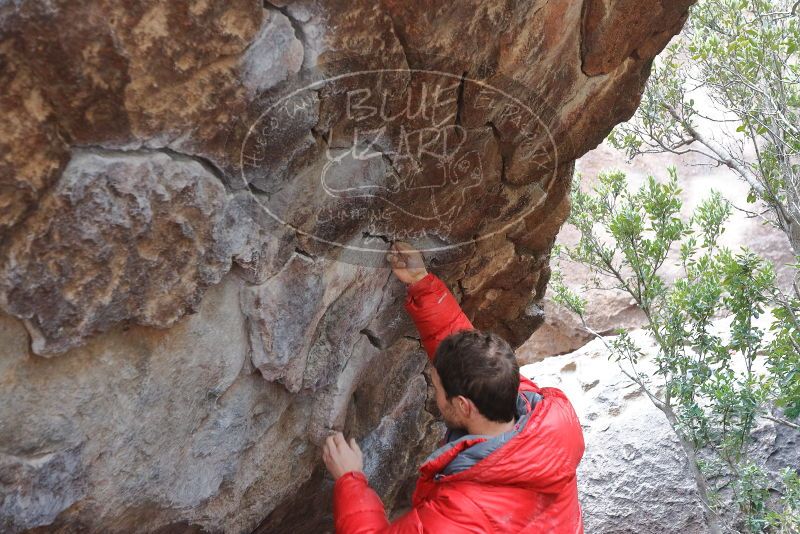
[542, 450]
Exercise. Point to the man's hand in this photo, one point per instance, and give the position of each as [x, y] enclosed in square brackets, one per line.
[407, 263]
[341, 457]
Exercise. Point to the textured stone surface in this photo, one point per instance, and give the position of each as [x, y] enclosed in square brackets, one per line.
[120, 236]
[275, 54]
[634, 477]
[163, 158]
[613, 31]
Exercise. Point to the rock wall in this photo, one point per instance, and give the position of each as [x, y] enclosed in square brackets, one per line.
[194, 201]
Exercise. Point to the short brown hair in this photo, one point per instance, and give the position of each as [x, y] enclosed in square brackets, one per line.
[482, 367]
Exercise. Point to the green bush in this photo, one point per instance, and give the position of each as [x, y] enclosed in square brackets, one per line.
[743, 56]
[712, 386]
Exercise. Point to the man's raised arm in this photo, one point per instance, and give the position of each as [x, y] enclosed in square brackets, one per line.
[357, 509]
[431, 305]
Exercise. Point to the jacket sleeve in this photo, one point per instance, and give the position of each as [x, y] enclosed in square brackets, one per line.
[435, 312]
[357, 509]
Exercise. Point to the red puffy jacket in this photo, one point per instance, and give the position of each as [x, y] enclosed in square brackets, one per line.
[527, 484]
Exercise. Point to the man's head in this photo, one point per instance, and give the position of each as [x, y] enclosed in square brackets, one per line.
[476, 375]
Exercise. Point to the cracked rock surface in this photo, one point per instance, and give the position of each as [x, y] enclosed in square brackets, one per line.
[191, 294]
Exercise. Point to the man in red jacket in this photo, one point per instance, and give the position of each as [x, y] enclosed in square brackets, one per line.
[508, 460]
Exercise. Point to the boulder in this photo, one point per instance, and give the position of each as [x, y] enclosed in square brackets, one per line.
[634, 476]
[195, 201]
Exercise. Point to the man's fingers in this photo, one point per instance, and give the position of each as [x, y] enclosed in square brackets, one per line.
[402, 246]
[405, 251]
[400, 249]
[395, 261]
[338, 438]
[330, 444]
[354, 445]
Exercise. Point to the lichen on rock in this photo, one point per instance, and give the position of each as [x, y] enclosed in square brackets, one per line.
[121, 237]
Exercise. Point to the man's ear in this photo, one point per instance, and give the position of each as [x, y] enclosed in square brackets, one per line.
[466, 406]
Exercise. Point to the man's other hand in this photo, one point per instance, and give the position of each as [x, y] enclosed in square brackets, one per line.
[406, 262]
[341, 457]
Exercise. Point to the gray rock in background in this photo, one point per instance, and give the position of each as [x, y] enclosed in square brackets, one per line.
[634, 477]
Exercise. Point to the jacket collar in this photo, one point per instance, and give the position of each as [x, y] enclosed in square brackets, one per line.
[462, 451]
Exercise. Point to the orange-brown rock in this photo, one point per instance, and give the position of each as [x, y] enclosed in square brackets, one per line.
[194, 202]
